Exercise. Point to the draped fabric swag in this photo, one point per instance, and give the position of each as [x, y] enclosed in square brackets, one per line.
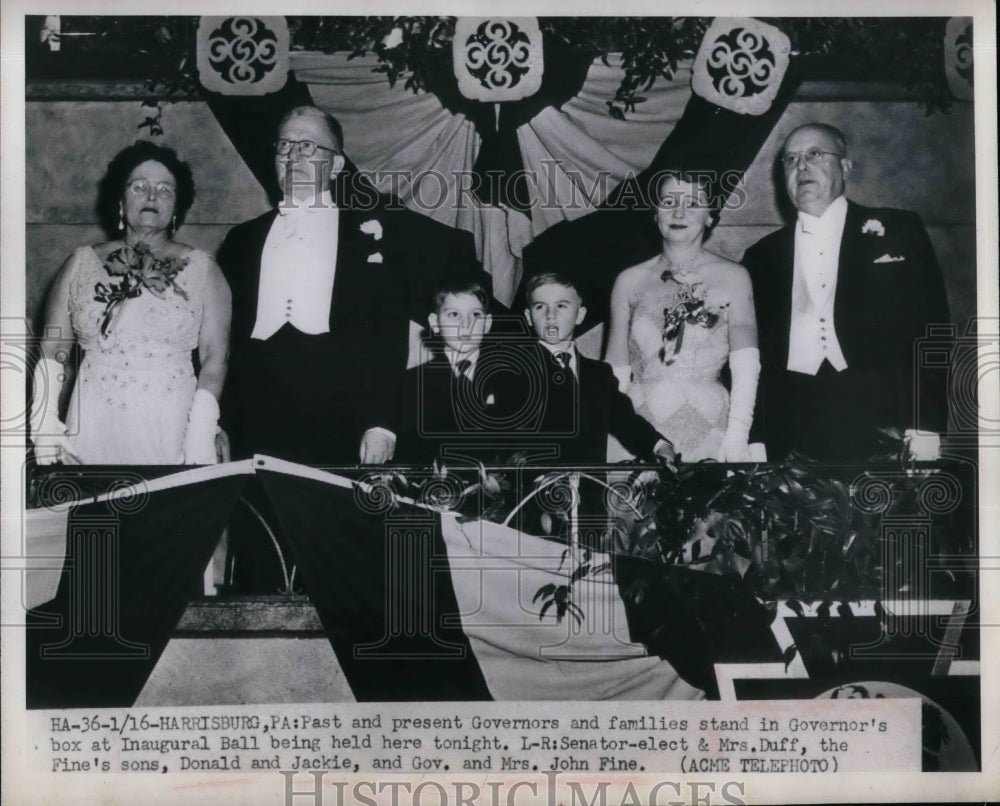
[399, 135]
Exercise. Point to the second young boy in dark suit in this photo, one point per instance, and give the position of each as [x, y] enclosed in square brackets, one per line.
[581, 401]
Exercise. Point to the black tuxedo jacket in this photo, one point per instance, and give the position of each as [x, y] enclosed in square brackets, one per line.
[889, 288]
[579, 413]
[310, 398]
[442, 417]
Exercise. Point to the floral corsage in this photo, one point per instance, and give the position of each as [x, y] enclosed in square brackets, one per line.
[138, 268]
[372, 227]
[690, 309]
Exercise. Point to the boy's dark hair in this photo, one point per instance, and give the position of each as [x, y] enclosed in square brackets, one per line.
[550, 278]
[458, 284]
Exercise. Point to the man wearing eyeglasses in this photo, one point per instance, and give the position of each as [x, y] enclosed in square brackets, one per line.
[320, 326]
[842, 295]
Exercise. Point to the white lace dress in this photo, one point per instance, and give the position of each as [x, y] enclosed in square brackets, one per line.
[135, 383]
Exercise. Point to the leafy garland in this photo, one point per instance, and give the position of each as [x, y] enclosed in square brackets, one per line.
[416, 50]
[788, 532]
[908, 51]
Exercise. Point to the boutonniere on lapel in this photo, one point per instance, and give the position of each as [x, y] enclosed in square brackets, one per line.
[374, 228]
[887, 258]
[873, 227]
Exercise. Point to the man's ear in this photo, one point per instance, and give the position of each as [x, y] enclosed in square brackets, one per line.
[581, 315]
[488, 323]
[527, 316]
[337, 165]
[846, 164]
[432, 320]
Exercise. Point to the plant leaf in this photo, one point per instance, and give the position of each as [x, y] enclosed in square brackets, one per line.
[545, 590]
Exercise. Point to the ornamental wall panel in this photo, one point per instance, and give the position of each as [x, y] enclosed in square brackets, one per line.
[497, 59]
[243, 55]
[740, 64]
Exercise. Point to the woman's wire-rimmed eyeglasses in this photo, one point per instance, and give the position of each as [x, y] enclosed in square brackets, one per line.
[142, 187]
[306, 148]
[811, 157]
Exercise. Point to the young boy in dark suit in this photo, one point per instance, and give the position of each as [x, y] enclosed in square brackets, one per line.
[582, 403]
[457, 406]
[580, 406]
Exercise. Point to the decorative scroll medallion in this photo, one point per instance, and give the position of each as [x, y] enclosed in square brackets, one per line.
[497, 59]
[958, 57]
[740, 64]
[243, 55]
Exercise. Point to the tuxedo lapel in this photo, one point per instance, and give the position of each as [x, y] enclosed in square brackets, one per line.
[780, 303]
[850, 281]
[247, 287]
[345, 271]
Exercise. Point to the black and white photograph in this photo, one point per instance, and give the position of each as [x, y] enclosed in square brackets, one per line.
[590, 408]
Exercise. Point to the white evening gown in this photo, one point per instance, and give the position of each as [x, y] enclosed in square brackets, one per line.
[135, 385]
[680, 391]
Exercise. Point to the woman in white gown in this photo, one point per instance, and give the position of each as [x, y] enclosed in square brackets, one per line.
[676, 321]
[138, 306]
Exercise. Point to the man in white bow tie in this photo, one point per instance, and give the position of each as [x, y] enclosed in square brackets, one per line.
[843, 295]
[320, 321]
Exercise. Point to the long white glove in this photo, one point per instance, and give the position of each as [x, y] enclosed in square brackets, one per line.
[744, 368]
[203, 423]
[923, 446]
[623, 372]
[48, 432]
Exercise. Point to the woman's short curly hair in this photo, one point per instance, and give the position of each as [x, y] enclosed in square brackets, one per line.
[112, 186]
[698, 179]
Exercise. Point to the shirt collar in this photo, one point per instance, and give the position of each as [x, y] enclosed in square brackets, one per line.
[325, 203]
[454, 358]
[569, 347]
[828, 224]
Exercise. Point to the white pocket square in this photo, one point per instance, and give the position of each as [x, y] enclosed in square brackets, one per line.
[887, 258]
[375, 257]
[490, 400]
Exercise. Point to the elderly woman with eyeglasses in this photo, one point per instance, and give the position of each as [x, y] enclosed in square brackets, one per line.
[151, 316]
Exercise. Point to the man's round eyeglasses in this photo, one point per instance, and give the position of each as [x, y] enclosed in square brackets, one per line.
[142, 187]
[306, 148]
[811, 157]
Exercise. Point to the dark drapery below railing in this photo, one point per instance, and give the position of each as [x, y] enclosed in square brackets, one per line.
[385, 576]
